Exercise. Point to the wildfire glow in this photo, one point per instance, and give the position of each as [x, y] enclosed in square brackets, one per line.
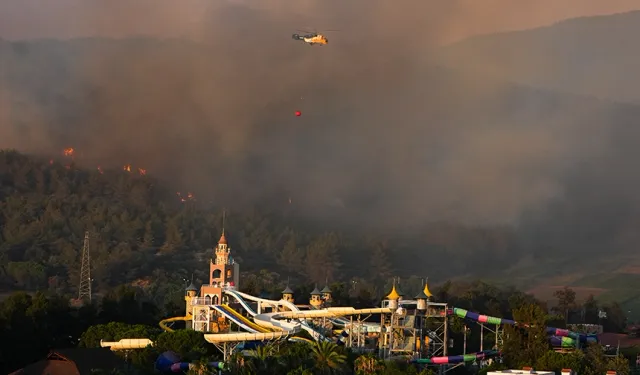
[188, 197]
[68, 151]
[142, 172]
[127, 168]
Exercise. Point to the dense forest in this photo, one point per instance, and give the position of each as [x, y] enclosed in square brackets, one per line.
[46, 321]
[143, 232]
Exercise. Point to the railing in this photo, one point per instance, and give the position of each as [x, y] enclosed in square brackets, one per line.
[201, 301]
[226, 285]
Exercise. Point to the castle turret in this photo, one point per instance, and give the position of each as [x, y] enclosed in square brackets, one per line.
[422, 300]
[315, 300]
[326, 293]
[426, 290]
[287, 294]
[393, 297]
[189, 295]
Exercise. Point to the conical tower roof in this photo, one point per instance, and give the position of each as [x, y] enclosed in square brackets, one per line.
[421, 295]
[287, 290]
[394, 294]
[426, 290]
[315, 291]
[191, 288]
[326, 289]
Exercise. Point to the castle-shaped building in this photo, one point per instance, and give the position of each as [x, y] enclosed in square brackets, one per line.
[223, 272]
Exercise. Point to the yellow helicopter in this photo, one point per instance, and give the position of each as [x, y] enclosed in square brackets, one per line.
[312, 38]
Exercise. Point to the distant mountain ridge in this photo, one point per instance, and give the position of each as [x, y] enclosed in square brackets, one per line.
[589, 55]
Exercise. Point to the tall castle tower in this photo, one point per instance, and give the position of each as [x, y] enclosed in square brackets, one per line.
[223, 272]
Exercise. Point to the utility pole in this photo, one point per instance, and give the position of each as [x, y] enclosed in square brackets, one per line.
[84, 291]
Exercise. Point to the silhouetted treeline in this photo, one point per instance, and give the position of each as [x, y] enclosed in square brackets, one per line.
[45, 321]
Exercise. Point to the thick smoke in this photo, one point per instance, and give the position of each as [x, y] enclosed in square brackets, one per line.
[383, 133]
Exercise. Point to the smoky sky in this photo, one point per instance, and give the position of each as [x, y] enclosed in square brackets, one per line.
[209, 104]
[447, 20]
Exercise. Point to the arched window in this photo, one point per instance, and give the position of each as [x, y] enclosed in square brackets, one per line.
[207, 300]
[228, 274]
[216, 274]
[215, 300]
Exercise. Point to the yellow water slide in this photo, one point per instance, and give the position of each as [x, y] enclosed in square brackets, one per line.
[163, 323]
[301, 339]
[245, 320]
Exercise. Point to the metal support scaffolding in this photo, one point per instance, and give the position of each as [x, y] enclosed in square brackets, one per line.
[437, 329]
[201, 318]
[499, 336]
[227, 349]
[357, 331]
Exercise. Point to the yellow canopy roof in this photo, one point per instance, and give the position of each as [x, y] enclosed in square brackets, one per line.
[427, 291]
[394, 294]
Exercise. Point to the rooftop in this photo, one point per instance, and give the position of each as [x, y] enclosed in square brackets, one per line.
[393, 295]
[287, 290]
[75, 361]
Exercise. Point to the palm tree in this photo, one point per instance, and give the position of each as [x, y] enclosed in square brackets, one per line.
[296, 355]
[368, 365]
[326, 357]
[265, 359]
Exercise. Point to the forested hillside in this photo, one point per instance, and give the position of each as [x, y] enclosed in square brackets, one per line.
[141, 230]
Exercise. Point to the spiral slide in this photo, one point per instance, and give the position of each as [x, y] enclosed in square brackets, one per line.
[559, 337]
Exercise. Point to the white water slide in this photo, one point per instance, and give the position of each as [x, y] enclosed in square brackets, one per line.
[333, 314]
[338, 321]
[241, 297]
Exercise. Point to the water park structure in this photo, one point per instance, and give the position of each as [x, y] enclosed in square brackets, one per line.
[416, 330]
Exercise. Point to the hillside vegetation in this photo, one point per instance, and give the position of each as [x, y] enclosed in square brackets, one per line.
[140, 230]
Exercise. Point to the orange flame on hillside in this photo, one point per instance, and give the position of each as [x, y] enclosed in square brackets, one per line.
[143, 172]
[127, 168]
[68, 151]
[189, 197]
